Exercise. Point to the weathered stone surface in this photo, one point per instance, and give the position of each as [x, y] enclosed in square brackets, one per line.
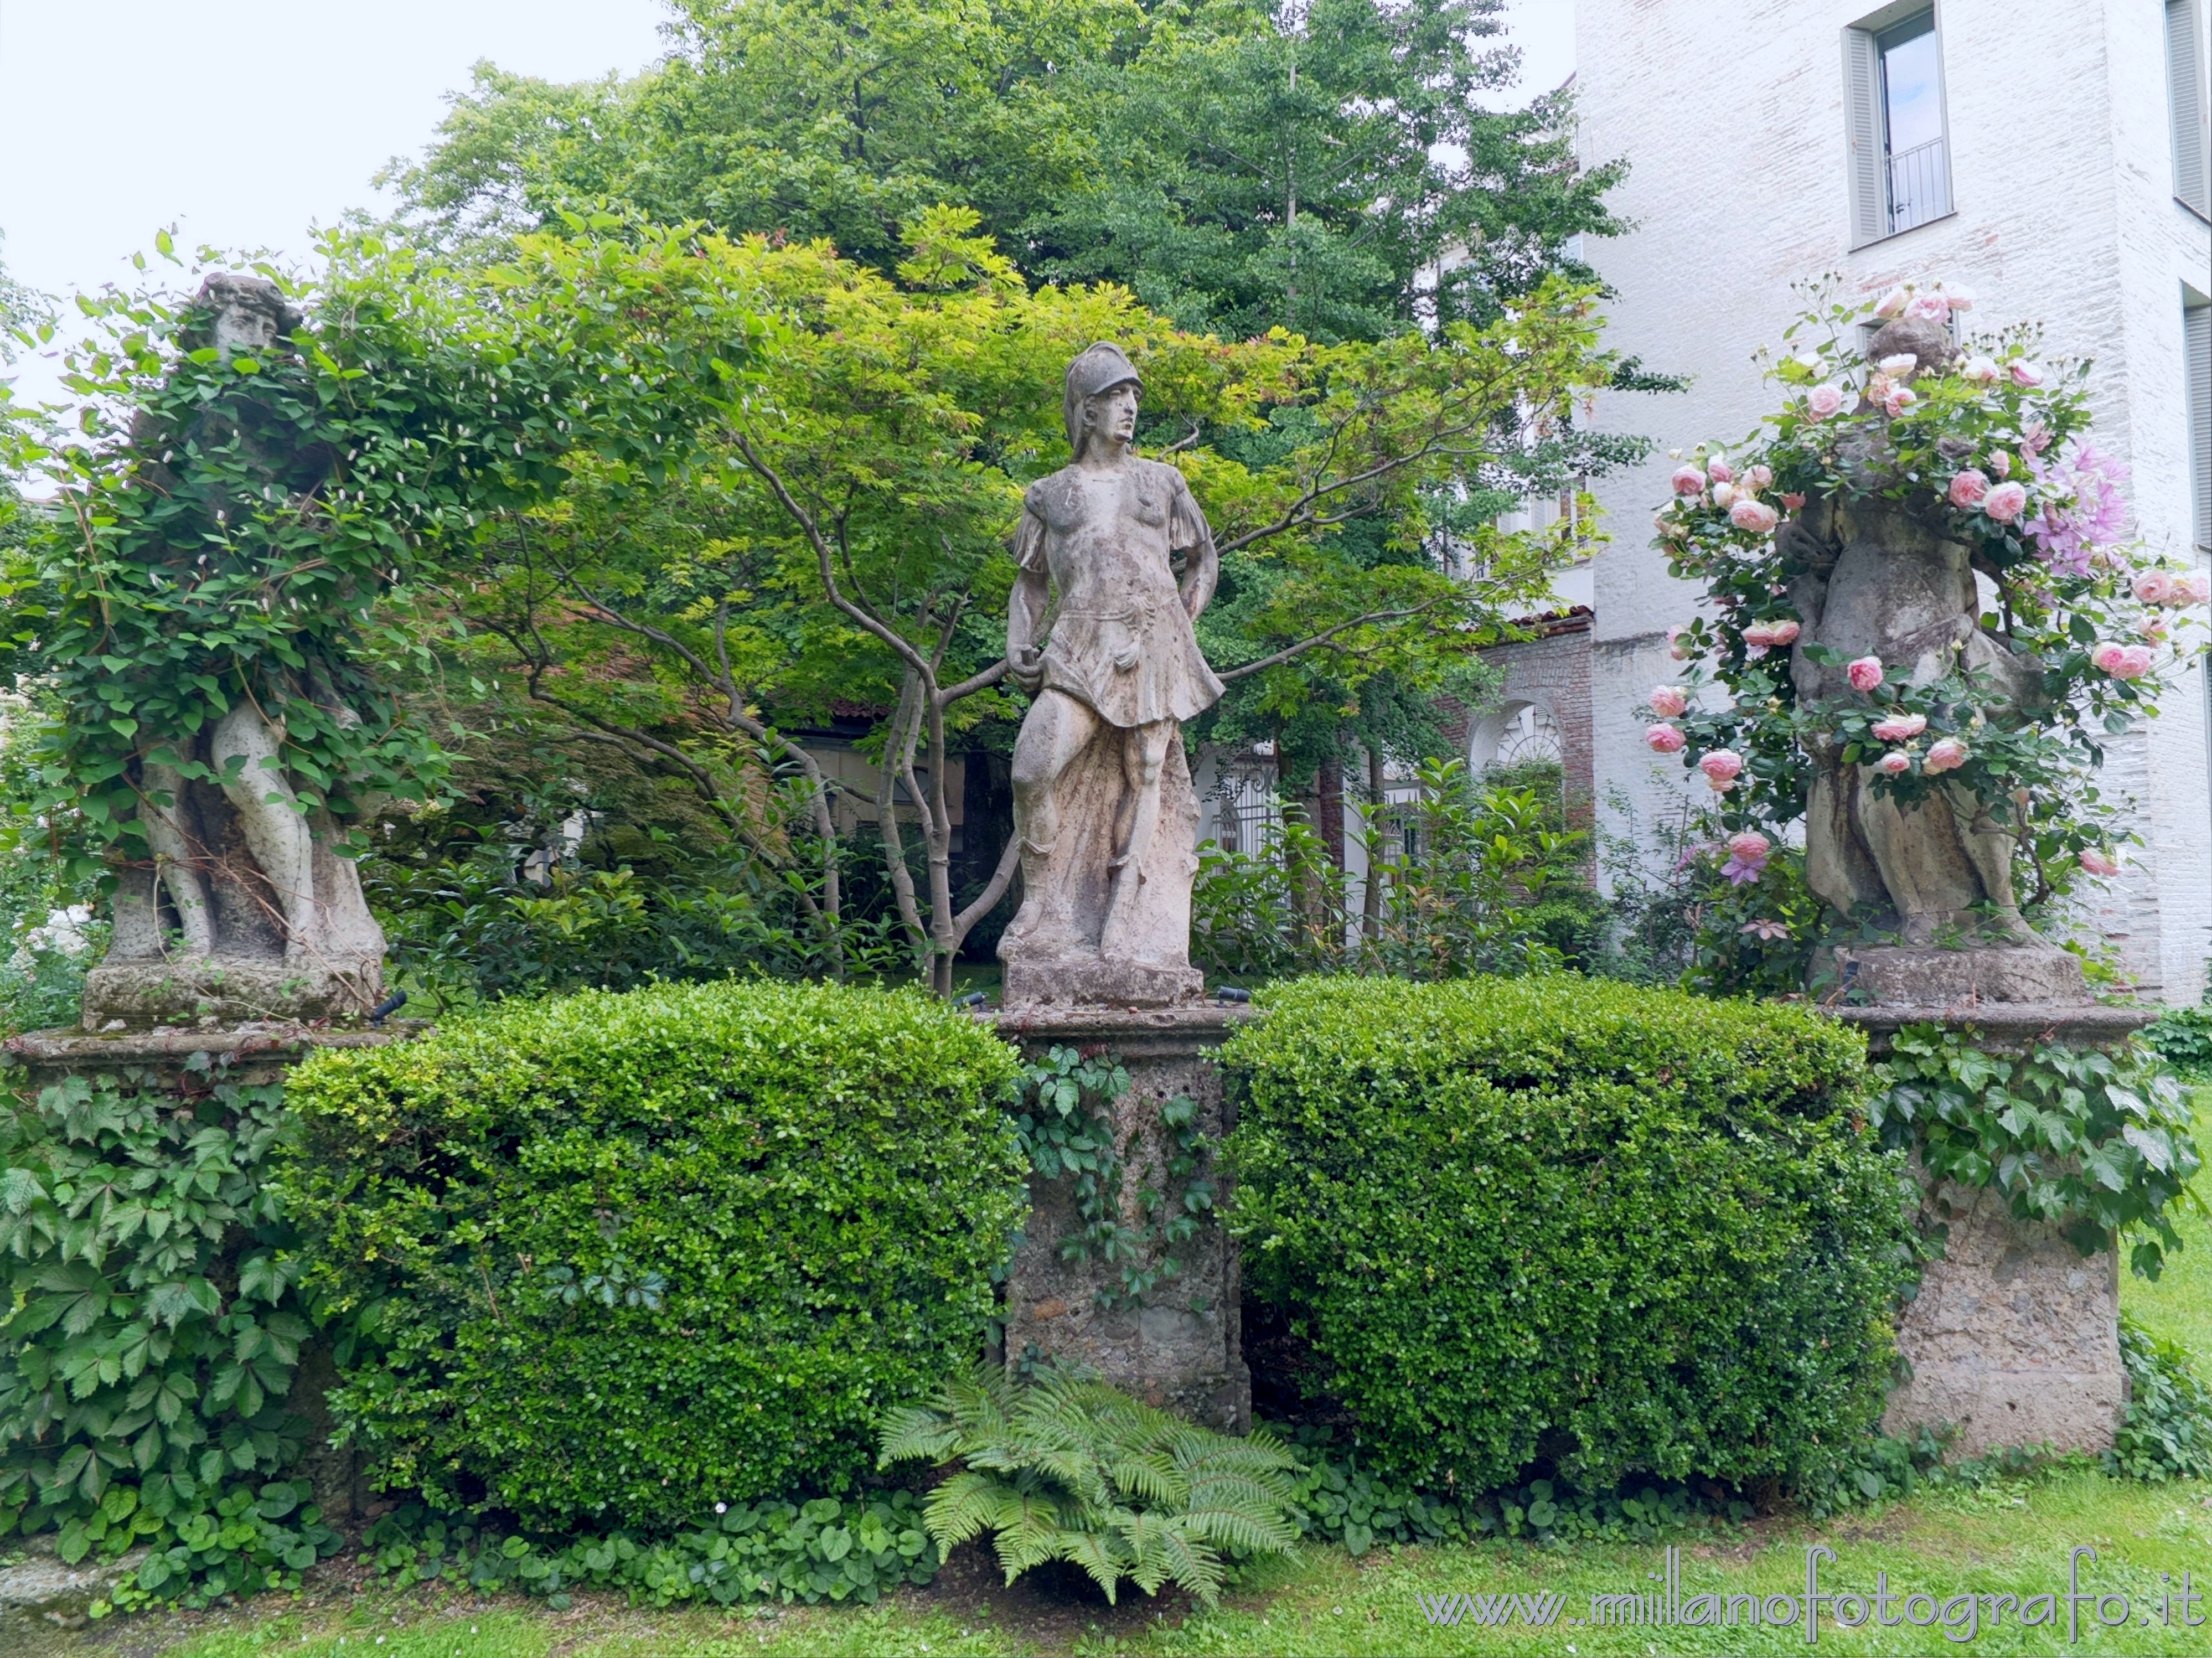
[249, 1053]
[2015, 1336]
[1104, 811]
[1183, 1349]
[42, 1589]
[1963, 978]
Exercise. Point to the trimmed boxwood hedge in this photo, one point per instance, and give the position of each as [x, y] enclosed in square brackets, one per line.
[1624, 1231]
[613, 1259]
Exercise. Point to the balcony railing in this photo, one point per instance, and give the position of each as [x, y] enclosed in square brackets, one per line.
[1919, 186]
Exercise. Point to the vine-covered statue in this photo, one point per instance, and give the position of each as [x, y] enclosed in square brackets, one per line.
[242, 904]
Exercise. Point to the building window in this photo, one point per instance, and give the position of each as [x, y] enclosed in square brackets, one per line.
[1901, 162]
[2196, 341]
[2184, 73]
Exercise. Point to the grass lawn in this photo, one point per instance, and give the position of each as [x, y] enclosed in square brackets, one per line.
[2010, 1538]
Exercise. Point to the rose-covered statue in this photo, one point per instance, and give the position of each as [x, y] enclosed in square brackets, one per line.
[1927, 620]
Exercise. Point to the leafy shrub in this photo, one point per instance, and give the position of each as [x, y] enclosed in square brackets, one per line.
[828, 1549]
[2183, 1037]
[1625, 1231]
[1479, 876]
[2091, 1142]
[614, 1259]
[155, 1331]
[1337, 1499]
[1067, 1468]
[2167, 1434]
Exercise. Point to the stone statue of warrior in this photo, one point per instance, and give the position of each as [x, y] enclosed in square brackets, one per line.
[1103, 801]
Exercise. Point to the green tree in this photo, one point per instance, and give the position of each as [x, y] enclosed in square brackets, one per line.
[1241, 164]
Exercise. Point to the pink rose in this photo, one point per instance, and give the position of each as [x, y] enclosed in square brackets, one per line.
[1891, 303]
[1983, 371]
[1723, 495]
[2154, 586]
[2193, 587]
[1784, 631]
[1865, 674]
[1793, 501]
[1750, 846]
[1755, 516]
[1899, 398]
[1968, 488]
[1721, 473]
[1824, 400]
[1688, 481]
[2154, 628]
[1664, 739]
[1900, 727]
[1676, 648]
[1899, 365]
[2027, 373]
[2001, 463]
[1945, 754]
[1670, 701]
[2123, 661]
[1758, 636]
[2005, 501]
[2098, 863]
[1931, 308]
[1759, 476]
[1897, 761]
[1721, 767]
[1960, 298]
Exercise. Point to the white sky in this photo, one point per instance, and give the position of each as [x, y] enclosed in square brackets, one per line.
[123, 116]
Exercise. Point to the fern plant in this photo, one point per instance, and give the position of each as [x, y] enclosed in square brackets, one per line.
[1067, 1468]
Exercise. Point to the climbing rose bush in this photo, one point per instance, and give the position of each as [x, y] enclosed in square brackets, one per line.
[1995, 446]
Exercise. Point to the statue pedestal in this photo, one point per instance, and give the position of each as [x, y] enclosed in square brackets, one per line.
[2014, 1336]
[1183, 1348]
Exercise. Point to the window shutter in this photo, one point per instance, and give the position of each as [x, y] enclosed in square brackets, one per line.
[2196, 332]
[1862, 109]
[2185, 70]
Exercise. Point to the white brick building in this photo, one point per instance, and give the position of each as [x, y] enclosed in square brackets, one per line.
[1776, 139]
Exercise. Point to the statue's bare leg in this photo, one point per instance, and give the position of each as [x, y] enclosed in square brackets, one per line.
[177, 859]
[268, 813]
[1057, 729]
[1144, 755]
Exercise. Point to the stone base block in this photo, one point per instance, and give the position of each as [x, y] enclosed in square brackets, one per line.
[1939, 978]
[251, 1055]
[2015, 1337]
[1098, 983]
[1183, 1348]
[137, 996]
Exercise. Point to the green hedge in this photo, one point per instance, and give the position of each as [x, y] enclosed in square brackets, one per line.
[616, 1258]
[1625, 1230]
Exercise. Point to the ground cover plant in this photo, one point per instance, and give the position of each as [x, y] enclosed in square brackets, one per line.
[154, 1332]
[609, 1260]
[1626, 1231]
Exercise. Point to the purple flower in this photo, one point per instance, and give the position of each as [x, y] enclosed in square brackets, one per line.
[2097, 518]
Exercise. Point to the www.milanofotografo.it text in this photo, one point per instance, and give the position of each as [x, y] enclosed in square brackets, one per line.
[1960, 1617]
